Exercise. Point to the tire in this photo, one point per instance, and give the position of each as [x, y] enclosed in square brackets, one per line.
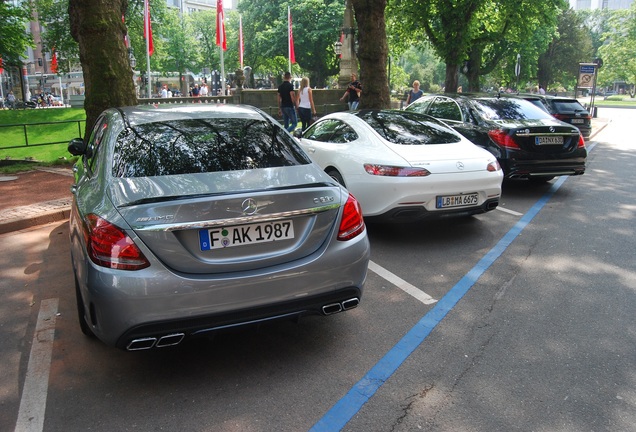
[334, 174]
[81, 314]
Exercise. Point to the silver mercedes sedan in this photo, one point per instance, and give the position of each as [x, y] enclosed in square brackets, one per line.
[189, 219]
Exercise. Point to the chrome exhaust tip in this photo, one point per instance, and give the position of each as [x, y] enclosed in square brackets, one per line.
[331, 308]
[350, 304]
[141, 344]
[170, 340]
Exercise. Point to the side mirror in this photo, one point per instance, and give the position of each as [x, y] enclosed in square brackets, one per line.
[77, 147]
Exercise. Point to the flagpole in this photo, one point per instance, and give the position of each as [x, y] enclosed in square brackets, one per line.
[148, 64]
[289, 38]
[222, 72]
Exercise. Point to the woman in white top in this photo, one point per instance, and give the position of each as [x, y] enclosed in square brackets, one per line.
[305, 103]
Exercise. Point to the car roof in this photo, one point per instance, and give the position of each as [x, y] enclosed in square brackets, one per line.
[141, 114]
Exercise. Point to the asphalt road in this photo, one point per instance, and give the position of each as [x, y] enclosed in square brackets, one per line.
[527, 323]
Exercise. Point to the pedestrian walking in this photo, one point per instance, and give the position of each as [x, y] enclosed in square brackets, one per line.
[11, 100]
[415, 93]
[305, 103]
[353, 92]
[287, 103]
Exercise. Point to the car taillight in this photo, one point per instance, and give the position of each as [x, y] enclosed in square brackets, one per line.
[493, 166]
[502, 138]
[352, 223]
[560, 117]
[395, 171]
[109, 246]
[581, 142]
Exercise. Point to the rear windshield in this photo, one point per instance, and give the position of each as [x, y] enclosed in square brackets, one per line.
[563, 106]
[203, 145]
[509, 109]
[408, 128]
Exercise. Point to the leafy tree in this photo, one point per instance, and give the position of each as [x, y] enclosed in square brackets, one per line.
[56, 35]
[571, 45]
[13, 38]
[475, 36]
[619, 62]
[316, 27]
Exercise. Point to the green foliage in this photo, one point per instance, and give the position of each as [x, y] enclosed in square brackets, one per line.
[13, 38]
[316, 27]
[54, 18]
[619, 61]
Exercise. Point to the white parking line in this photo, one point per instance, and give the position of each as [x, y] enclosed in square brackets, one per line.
[401, 283]
[36, 382]
[505, 210]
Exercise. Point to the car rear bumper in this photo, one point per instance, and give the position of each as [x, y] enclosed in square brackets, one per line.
[417, 213]
[157, 303]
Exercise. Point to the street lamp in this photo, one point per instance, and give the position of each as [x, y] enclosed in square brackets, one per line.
[338, 48]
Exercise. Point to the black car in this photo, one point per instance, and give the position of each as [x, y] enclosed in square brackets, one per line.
[528, 142]
[565, 109]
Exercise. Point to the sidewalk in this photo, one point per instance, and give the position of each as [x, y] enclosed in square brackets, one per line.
[44, 196]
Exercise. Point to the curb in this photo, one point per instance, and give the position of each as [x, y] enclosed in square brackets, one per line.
[19, 218]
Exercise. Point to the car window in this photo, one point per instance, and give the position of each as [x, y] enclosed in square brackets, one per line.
[408, 128]
[95, 141]
[343, 133]
[420, 106]
[322, 131]
[509, 109]
[563, 106]
[446, 109]
[203, 145]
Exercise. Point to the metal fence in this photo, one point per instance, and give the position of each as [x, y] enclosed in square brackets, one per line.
[19, 134]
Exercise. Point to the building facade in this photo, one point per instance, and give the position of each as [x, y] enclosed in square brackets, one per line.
[600, 4]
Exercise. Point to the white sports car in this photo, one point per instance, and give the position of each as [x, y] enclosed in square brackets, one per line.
[404, 166]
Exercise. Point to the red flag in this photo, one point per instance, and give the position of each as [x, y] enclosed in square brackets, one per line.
[241, 47]
[148, 28]
[220, 26]
[54, 62]
[341, 43]
[126, 38]
[292, 55]
[1, 66]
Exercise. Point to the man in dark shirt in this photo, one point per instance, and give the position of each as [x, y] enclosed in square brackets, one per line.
[352, 94]
[287, 103]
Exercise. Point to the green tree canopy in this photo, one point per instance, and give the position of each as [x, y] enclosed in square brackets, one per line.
[14, 39]
[617, 52]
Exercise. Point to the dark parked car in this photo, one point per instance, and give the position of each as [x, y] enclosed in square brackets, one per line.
[565, 109]
[528, 142]
[191, 219]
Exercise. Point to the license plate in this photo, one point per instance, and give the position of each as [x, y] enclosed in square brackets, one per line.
[548, 140]
[241, 235]
[578, 121]
[457, 200]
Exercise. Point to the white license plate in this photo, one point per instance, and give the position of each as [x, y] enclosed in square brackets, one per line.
[548, 140]
[241, 235]
[457, 200]
[578, 121]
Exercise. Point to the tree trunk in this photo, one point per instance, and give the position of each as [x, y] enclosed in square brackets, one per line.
[108, 78]
[372, 53]
[451, 82]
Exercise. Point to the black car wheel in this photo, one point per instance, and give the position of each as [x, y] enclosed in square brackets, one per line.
[334, 174]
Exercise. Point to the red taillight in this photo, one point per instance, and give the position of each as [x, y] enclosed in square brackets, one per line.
[560, 117]
[395, 171]
[581, 142]
[503, 139]
[352, 223]
[109, 246]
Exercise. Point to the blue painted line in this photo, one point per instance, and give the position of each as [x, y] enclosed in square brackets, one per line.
[340, 414]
